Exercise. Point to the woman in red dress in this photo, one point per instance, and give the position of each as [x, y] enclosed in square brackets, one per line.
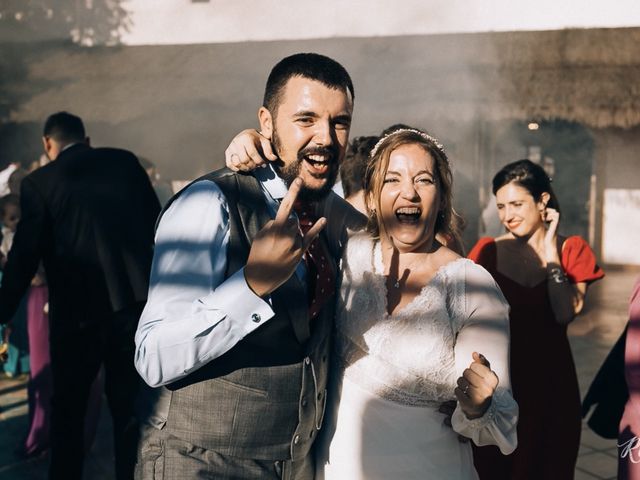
[544, 277]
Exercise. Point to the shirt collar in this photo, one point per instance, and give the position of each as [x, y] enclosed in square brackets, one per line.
[68, 146]
[271, 182]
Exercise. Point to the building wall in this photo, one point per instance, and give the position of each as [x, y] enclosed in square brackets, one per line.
[617, 169]
[172, 22]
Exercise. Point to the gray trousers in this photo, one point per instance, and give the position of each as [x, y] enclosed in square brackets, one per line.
[164, 457]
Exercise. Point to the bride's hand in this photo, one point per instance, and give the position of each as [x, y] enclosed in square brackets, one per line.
[476, 387]
[448, 408]
[248, 150]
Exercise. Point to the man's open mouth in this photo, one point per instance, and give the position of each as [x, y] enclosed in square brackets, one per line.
[318, 164]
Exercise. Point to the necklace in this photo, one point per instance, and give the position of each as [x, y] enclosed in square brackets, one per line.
[407, 270]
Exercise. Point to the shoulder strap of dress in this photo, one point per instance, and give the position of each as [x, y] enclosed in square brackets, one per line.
[485, 253]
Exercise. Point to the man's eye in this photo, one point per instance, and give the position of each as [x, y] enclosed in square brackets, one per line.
[305, 120]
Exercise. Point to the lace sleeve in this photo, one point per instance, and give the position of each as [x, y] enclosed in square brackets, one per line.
[484, 328]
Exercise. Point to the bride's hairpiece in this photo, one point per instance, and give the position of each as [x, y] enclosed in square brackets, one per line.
[424, 135]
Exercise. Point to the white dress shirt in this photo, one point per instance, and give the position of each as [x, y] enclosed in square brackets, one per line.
[193, 315]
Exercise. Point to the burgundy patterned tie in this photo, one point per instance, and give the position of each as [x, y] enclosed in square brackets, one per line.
[320, 275]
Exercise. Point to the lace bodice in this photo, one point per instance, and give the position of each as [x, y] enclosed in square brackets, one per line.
[407, 357]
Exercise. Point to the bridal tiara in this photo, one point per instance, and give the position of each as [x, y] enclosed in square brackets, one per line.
[424, 135]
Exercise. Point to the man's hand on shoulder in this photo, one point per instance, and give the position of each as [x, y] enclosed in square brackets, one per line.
[249, 150]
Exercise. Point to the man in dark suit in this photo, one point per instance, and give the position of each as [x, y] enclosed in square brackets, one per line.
[89, 218]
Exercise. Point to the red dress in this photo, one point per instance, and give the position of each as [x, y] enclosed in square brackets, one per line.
[543, 375]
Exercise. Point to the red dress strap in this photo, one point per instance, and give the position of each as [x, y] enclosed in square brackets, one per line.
[484, 253]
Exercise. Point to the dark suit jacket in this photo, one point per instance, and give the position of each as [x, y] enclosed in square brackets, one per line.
[89, 216]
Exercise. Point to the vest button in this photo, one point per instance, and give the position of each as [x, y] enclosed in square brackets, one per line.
[296, 439]
[304, 401]
[256, 317]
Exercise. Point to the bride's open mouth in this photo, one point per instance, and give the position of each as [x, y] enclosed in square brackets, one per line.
[408, 215]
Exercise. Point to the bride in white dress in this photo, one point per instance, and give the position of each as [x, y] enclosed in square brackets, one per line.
[417, 326]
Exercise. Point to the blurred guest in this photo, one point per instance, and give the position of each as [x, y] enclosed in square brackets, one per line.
[544, 277]
[162, 188]
[16, 334]
[39, 388]
[4, 177]
[629, 438]
[352, 170]
[15, 179]
[490, 224]
[40, 162]
[89, 216]
[10, 215]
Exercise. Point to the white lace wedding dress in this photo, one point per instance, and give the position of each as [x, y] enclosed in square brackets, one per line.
[393, 372]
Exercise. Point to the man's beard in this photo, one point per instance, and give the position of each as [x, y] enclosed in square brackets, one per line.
[290, 172]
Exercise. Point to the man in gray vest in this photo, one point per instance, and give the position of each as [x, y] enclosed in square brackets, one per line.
[235, 335]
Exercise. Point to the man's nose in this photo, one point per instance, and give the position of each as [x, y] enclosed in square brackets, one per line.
[324, 134]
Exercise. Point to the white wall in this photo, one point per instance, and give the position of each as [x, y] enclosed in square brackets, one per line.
[218, 21]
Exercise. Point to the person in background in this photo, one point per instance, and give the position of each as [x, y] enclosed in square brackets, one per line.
[15, 179]
[162, 188]
[4, 177]
[89, 217]
[544, 277]
[353, 168]
[15, 333]
[40, 385]
[10, 216]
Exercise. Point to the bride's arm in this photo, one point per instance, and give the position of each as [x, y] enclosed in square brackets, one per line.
[484, 328]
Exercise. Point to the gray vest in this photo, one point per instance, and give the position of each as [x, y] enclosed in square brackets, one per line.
[266, 397]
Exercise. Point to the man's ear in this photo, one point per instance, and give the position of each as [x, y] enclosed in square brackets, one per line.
[87, 140]
[47, 145]
[266, 122]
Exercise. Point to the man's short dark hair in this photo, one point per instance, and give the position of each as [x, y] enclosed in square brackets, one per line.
[308, 65]
[64, 127]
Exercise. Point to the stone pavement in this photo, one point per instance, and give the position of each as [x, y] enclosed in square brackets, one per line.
[591, 335]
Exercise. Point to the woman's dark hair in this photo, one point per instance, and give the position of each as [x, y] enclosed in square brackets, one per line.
[354, 165]
[529, 176]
